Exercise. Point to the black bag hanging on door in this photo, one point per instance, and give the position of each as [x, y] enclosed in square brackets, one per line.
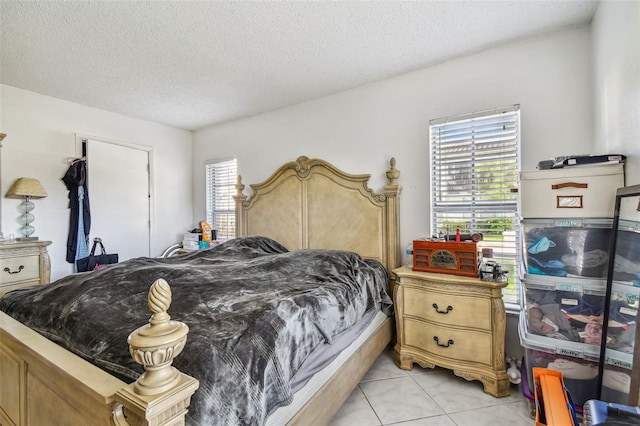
[94, 261]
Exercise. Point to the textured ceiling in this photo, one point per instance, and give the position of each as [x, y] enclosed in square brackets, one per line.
[189, 64]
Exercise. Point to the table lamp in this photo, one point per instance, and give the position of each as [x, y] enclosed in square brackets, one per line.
[26, 188]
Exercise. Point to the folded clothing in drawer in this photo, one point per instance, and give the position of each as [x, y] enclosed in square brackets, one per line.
[570, 311]
[567, 247]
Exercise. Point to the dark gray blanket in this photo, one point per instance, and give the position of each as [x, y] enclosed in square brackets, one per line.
[255, 311]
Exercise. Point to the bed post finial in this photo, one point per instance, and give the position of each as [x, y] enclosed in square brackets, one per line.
[157, 343]
[162, 394]
[393, 174]
[392, 190]
[239, 187]
[240, 200]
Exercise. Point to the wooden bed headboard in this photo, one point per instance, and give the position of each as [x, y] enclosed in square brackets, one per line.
[308, 203]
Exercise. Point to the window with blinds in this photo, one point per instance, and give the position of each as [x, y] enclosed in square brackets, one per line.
[475, 161]
[221, 210]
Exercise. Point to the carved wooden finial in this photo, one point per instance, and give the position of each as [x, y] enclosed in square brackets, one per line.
[157, 343]
[393, 174]
[239, 187]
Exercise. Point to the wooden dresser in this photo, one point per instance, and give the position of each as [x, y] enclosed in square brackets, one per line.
[23, 264]
[452, 322]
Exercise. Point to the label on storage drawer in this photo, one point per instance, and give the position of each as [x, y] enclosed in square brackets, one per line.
[629, 311]
[570, 287]
[568, 223]
[571, 302]
[569, 352]
[619, 363]
[627, 225]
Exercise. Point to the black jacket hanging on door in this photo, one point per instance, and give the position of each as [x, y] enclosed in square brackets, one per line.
[76, 177]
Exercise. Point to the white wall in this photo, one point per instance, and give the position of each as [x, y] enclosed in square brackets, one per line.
[40, 137]
[359, 130]
[616, 47]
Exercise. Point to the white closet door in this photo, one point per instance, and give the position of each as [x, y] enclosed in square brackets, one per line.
[118, 183]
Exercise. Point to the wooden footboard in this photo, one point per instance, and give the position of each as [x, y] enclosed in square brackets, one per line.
[44, 384]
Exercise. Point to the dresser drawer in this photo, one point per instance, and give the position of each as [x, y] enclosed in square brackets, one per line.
[448, 309]
[16, 269]
[452, 344]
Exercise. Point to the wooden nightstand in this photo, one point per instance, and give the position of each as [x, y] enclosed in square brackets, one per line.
[452, 322]
[23, 264]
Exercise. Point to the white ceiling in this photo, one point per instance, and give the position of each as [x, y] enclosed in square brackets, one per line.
[189, 64]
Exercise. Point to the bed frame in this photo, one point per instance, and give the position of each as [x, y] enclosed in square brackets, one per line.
[307, 203]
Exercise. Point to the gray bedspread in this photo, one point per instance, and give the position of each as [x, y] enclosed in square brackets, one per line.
[255, 311]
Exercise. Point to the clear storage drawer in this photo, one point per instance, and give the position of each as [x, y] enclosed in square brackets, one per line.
[579, 368]
[565, 310]
[572, 247]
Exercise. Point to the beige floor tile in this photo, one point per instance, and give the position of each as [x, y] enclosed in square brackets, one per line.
[397, 400]
[455, 394]
[355, 411]
[443, 420]
[384, 368]
[389, 396]
[497, 415]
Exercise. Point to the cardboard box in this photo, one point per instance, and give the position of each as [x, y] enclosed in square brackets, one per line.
[192, 236]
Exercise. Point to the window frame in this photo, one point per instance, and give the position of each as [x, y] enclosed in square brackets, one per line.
[474, 134]
[225, 228]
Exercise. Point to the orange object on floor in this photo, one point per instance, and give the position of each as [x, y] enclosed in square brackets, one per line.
[553, 402]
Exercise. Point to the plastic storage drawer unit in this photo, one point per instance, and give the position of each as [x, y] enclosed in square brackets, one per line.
[570, 247]
[570, 310]
[579, 191]
[578, 367]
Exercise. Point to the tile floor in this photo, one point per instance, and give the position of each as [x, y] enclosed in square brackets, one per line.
[436, 397]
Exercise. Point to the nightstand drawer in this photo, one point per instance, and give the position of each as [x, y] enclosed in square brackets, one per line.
[463, 311]
[452, 344]
[16, 269]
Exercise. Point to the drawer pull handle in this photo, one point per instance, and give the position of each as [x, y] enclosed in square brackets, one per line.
[449, 343]
[570, 185]
[20, 268]
[449, 308]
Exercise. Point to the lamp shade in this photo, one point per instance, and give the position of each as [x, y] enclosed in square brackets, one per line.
[26, 187]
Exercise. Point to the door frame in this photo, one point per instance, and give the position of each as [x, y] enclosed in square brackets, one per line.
[82, 137]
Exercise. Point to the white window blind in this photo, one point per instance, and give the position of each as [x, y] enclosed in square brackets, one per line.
[221, 178]
[475, 161]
